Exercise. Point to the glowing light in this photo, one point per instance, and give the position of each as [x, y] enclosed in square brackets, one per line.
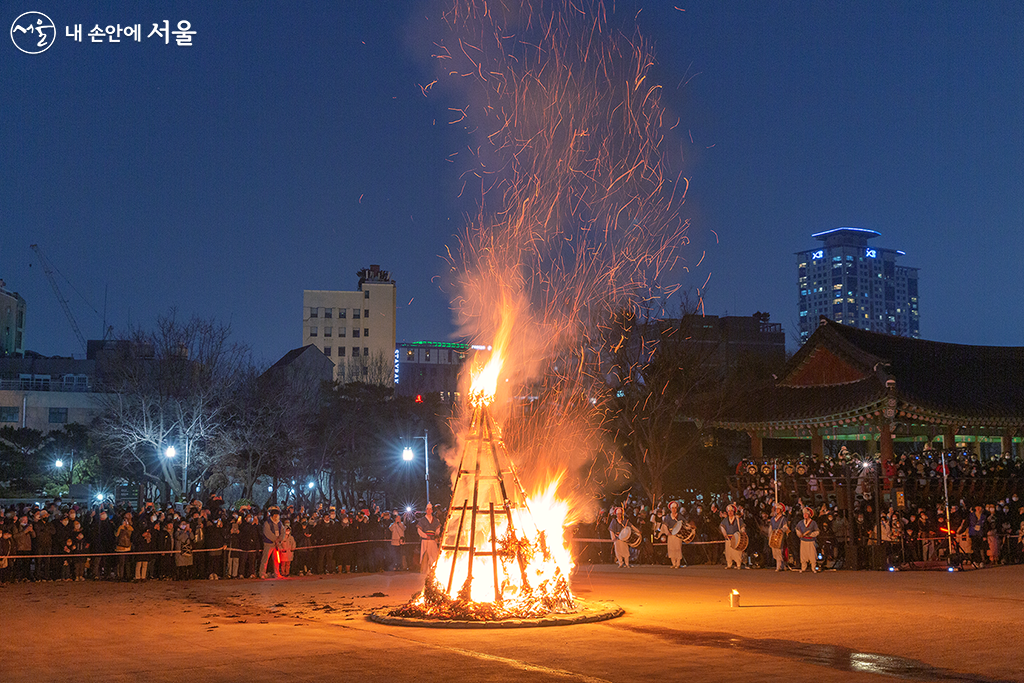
[485, 380]
[59, 463]
[310, 485]
[407, 454]
[170, 452]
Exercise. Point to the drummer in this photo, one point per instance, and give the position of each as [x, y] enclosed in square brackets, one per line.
[731, 528]
[671, 525]
[616, 528]
[778, 527]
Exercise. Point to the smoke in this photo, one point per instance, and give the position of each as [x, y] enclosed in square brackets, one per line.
[578, 215]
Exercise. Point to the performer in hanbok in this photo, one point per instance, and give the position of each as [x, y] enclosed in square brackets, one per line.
[671, 525]
[807, 532]
[731, 528]
[615, 528]
[778, 527]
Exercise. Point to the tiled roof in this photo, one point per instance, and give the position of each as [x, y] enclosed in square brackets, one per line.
[934, 382]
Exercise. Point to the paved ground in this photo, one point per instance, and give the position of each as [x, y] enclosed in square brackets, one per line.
[678, 626]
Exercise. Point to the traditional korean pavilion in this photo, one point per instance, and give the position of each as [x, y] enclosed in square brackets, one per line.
[850, 384]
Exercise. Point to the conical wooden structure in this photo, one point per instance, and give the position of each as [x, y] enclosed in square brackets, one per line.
[491, 550]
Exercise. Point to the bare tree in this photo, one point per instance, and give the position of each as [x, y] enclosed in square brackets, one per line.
[659, 370]
[169, 389]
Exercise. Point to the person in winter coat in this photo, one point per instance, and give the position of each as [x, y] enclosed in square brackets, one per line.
[163, 545]
[303, 534]
[6, 555]
[81, 549]
[287, 551]
[123, 544]
[103, 543]
[273, 532]
[183, 550]
[233, 541]
[251, 544]
[22, 536]
[42, 544]
[215, 548]
[143, 544]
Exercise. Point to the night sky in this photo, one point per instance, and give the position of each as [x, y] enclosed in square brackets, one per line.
[291, 146]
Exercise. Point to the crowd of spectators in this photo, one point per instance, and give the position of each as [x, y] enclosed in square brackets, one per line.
[908, 521]
[70, 542]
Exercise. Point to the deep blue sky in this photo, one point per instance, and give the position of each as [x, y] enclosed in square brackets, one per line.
[291, 146]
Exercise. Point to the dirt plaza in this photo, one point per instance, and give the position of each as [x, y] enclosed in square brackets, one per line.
[678, 626]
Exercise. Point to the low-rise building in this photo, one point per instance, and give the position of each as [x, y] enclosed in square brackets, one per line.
[356, 330]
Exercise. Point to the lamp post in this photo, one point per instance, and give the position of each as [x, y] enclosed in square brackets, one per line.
[407, 455]
[171, 452]
[59, 464]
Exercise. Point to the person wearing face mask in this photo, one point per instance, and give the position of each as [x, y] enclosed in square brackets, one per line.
[215, 541]
[183, 550]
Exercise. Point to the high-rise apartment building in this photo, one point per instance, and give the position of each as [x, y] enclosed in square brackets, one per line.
[356, 330]
[851, 282]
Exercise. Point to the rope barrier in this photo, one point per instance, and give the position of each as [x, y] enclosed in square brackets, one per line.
[126, 553]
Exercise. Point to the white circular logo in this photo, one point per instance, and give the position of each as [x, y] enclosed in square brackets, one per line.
[33, 32]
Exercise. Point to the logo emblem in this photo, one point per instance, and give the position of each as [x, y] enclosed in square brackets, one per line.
[33, 32]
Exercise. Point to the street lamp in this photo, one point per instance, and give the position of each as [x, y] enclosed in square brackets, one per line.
[407, 455]
[171, 452]
[59, 464]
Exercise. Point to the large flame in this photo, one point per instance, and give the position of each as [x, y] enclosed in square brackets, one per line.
[485, 380]
[531, 577]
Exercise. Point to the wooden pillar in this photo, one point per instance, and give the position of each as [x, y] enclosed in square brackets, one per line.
[756, 447]
[885, 444]
[948, 437]
[1006, 445]
[817, 444]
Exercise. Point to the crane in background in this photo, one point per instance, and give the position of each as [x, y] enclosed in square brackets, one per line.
[48, 269]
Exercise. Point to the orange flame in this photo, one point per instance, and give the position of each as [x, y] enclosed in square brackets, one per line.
[485, 380]
[540, 585]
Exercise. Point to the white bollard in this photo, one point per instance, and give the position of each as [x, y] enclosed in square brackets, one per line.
[734, 598]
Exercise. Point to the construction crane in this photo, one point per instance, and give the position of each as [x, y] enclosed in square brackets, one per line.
[48, 269]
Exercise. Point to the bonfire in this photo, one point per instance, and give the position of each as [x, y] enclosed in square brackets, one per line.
[503, 553]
